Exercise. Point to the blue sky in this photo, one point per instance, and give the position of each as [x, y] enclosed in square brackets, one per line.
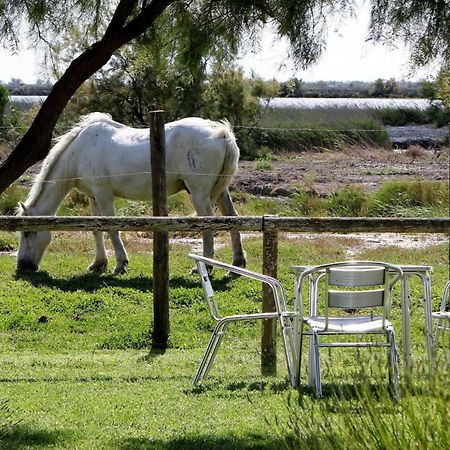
[348, 57]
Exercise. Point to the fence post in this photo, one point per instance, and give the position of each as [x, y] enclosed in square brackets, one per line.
[448, 156]
[268, 337]
[161, 325]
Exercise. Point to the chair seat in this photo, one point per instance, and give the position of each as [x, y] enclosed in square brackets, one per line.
[350, 325]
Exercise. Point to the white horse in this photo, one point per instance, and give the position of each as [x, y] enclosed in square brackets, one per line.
[105, 159]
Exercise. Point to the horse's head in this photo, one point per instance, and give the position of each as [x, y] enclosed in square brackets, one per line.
[32, 245]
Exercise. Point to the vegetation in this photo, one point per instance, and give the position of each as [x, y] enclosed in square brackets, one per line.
[78, 372]
[104, 28]
[352, 89]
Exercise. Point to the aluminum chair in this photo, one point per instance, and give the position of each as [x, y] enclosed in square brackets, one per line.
[340, 295]
[284, 316]
[442, 316]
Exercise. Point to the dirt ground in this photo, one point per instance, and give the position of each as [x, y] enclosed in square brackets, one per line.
[326, 172]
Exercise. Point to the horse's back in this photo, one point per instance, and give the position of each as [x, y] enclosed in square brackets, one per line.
[117, 157]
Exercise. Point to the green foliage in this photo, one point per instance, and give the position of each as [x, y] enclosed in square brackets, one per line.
[402, 116]
[307, 203]
[401, 197]
[347, 202]
[4, 98]
[377, 420]
[9, 200]
[422, 25]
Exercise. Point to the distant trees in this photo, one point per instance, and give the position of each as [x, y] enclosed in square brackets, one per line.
[352, 89]
[17, 87]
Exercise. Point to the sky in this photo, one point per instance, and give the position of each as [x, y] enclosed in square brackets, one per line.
[348, 57]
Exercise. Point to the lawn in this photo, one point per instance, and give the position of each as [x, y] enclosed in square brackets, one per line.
[77, 370]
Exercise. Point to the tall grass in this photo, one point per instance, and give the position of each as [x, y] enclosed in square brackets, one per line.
[397, 198]
[367, 417]
[322, 128]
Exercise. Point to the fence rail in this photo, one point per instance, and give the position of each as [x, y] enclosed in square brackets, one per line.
[219, 223]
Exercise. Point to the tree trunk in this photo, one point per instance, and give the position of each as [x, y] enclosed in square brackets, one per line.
[35, 144]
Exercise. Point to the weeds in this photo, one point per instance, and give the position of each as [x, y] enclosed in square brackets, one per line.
[10, 199]
[372, 421]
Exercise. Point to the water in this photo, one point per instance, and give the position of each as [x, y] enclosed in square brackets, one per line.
[354, 103]
[24, 102]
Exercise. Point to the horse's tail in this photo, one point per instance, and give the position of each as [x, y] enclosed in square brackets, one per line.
[230, 163]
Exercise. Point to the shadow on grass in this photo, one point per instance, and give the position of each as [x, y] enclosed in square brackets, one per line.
[244, 386]
[254, 442]
[346, 392]
[91, 282]
[20, 436]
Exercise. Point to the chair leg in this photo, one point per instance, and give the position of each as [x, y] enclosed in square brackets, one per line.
[299, 356]
[287, 335]
[318, 380]
[210, 352]
[394, 363]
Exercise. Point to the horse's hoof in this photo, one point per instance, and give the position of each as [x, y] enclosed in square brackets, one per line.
[240, 262]
[98, 267]
[120, 270]
[26, 266]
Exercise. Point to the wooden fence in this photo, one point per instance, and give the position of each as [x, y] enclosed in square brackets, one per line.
[270, 226]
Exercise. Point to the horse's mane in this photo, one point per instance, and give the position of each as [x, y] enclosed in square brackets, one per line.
[62, 142]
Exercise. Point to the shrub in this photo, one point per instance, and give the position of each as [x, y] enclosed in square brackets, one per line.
[347, 202]
[402, 194]
[307, 203]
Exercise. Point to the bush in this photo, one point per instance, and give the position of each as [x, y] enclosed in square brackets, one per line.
[395, 196]
[349, 201]
[306, 203]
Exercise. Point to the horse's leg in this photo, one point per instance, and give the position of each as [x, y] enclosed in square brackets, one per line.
[105, 202]
[227, 208]
[100, 263]
[203, 207]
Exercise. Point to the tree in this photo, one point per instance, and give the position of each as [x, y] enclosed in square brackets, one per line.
[110, 24]
[424, 25]
[301, 21]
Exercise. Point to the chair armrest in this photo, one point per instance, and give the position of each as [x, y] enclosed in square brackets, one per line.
[274, 284]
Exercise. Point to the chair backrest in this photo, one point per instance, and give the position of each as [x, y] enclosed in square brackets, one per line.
[357, 277]
[353, 285]
[445, 301]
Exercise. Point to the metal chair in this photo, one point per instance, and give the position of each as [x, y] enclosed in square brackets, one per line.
[442, 316]
[340, 307]
[284, 317]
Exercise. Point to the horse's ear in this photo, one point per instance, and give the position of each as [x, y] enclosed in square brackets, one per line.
[23, 209]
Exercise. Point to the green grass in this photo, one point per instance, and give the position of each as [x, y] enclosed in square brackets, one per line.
[78, 372]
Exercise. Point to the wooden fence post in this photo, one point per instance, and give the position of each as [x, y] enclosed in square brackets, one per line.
[268, 336]
[161, 325]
